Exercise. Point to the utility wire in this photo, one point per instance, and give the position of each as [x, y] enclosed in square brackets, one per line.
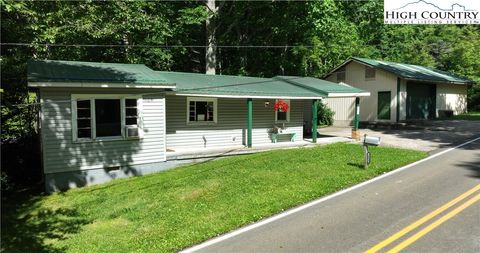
[152, 46]
[273, 1]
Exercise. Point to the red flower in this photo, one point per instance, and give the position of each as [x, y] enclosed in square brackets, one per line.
[281, 106]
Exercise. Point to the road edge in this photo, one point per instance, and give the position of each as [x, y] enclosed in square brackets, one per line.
[278, 216]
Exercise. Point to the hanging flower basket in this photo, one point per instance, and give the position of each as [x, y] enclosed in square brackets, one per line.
[281, 106]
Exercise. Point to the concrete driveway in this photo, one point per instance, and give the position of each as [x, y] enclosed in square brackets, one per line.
[425, 136]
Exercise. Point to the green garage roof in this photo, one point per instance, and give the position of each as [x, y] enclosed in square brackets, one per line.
[92, 72]
[411, 72]
[242, 86]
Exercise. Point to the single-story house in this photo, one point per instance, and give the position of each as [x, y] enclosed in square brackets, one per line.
[398, 91]
[105, 120]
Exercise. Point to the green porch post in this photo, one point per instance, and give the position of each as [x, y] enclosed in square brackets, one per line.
[398, 99]
[314, 120]
[249, 122]
[357, 111]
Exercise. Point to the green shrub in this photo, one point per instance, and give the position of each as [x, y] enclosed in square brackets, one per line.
[473, 99]
[325, 115]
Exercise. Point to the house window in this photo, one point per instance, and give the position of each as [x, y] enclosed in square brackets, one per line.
[108, 118]
[283, 116]
[341, 74]
[201, 110]
[369, 73]
[84, 119]
[104, 116]
[131, 112]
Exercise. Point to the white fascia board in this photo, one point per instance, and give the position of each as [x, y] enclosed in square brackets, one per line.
[243, 96]
[340, 95]
[98, 85]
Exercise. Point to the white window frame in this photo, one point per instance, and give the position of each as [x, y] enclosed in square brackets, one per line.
[92, 97]
[374, 71]
[288, 112]
[202, 99]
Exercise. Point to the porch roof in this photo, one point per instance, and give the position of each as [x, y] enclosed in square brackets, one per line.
[287, 87]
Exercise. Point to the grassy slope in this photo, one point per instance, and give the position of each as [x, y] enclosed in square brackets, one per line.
[468, 116]
[174, 209]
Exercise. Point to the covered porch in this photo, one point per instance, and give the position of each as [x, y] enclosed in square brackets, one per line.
[194, 153]
[240, 112]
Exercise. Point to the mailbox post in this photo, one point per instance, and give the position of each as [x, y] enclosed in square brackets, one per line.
[369, 141]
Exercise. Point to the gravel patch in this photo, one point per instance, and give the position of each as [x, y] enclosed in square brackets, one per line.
[426, 135]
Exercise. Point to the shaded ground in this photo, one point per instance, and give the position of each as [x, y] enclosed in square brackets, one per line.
[167, 211]
[427, 135]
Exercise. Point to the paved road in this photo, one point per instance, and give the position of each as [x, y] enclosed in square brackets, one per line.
[359, 219]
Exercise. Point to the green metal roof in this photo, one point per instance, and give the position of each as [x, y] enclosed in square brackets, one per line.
[70, 73]
[92, 72]
[413, 72]
[242, 86]
[320, 85]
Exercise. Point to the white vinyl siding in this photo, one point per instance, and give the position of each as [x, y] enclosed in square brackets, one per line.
[61, 153]
[232, 123]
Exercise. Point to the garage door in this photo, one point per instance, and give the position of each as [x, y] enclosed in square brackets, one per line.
[420, 100]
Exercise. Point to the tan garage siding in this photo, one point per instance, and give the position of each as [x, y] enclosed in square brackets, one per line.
[451, 97]
[344, 109]
[355, 76]
[231, 126]
[383, 81]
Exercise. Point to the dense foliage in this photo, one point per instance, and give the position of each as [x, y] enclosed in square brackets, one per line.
[308, 38]
[325, 114]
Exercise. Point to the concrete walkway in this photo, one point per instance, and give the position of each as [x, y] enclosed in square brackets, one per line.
[196, 153]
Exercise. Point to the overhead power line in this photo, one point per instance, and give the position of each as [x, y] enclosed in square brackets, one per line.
[151, 46]
[194, 0]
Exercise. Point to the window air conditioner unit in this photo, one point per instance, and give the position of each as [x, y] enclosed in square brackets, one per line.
[132, 132]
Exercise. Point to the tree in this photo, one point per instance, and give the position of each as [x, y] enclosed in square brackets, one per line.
[333, 37]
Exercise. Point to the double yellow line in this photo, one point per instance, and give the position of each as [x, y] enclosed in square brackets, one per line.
[426, 218]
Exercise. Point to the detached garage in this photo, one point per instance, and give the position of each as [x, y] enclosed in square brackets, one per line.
[398, 91]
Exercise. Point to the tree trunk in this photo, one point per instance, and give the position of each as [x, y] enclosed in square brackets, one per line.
[210, 54]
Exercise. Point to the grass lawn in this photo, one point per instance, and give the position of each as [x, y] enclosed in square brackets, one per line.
[175, 209]
[468, 116]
